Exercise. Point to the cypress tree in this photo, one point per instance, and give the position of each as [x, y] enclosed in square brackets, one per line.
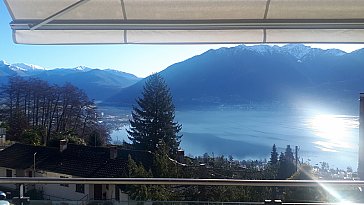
[153, 120]
[274, 155]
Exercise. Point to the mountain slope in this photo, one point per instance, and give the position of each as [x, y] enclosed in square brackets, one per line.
[262, 74]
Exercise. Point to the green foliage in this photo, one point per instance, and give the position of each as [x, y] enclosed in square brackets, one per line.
[306, 194]
[137, 192]
[163, 166]
[286, 164]
[70, 137]
[153, 120]
[32, 137]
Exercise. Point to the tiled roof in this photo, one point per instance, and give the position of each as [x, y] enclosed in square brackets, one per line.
[20, 156]
[76, 160]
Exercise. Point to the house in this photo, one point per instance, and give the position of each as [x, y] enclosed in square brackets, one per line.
[71, 161]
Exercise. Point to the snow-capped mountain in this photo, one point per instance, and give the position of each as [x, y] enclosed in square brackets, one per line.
[299, 51]
[81, 68]
[260, 73]
[3, 63]
[98, 84]
[23, 69]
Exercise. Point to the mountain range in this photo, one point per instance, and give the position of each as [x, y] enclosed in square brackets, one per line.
[224, 76]
[98, 84]
[260, 74]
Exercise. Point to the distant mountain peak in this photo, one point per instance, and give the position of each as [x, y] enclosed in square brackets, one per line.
[336, 52]
[2, 63]
[262, 49]
[25, 67]
[82, 68]
[299, 51]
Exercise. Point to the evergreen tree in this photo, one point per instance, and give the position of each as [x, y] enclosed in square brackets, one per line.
[282, 172]
[153, 120]
[137, 192]
[289, 154]
[286, 164]
[274, 155]
[163, 166]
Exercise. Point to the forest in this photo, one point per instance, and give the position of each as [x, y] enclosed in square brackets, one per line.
[35, 112]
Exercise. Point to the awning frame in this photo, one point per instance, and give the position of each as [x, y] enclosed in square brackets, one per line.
[58, 14]
[60, 29]
[188, 24]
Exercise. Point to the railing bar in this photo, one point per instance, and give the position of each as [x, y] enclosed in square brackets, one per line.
[322, 203]
[179, 181]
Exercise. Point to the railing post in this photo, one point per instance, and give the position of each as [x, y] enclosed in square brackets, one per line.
[21, 200]
[21, 190]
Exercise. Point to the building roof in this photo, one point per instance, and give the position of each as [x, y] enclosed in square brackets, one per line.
[76, 160]
[20, 156]
[186, 21]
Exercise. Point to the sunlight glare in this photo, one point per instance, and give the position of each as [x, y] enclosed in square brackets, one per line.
[334, 130]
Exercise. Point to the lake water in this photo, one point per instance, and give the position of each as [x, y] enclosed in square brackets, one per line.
[250, 134]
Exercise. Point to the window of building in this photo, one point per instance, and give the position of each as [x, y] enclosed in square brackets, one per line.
[65, 185]
[80, 188]
[9, 173]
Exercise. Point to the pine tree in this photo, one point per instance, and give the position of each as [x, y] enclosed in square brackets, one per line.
[274, 155]
[153, 120]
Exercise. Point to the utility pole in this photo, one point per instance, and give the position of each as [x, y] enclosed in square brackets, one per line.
[35, 153]
[296, 157]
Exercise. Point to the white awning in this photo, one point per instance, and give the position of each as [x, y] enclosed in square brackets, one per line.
[186, 21]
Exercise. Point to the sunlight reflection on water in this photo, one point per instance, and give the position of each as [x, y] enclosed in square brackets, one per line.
[334, 132]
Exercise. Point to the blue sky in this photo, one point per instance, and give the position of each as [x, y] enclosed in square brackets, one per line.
[141, 60]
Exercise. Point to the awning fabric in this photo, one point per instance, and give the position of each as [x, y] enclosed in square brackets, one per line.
[186, 21]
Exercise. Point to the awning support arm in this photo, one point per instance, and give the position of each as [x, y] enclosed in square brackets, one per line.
[58, 14]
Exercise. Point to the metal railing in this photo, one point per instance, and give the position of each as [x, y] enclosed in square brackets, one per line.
[180, 181]
[21, 181]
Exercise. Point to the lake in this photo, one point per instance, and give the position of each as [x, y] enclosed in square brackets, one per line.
[250, 134]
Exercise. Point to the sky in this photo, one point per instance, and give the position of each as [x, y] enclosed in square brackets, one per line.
[141, 60]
